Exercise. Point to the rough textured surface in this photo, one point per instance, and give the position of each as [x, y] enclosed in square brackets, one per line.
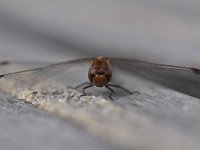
[22, 126]
[127, 122]
[156, 118]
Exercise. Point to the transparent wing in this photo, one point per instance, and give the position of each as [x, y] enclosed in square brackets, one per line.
[182, 79]
[59, 72]
[14, 66]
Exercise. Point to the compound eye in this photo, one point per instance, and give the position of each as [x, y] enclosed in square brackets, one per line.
[91, 76]
[108, 76]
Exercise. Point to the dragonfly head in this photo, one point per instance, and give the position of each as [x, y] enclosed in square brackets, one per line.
[100, 72]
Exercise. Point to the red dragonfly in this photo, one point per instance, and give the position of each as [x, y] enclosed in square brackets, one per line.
[182, 79]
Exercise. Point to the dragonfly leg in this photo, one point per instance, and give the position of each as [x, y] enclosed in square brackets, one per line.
[82, 84]
[86, 87]
[120, 87]
[110, 96]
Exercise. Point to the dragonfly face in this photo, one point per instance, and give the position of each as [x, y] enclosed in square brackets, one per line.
[100, 71]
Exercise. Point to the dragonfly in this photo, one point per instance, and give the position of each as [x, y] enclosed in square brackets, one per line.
[100, 72]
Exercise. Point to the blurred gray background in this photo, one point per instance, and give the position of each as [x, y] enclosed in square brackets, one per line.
[162, 31]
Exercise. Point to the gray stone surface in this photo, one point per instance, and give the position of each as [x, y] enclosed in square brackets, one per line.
[22, 126]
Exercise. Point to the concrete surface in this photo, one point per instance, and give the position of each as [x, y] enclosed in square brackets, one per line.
[22, 126]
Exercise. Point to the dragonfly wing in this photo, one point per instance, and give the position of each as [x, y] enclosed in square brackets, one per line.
[182, 79]
[14, 66]
[29, 78]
